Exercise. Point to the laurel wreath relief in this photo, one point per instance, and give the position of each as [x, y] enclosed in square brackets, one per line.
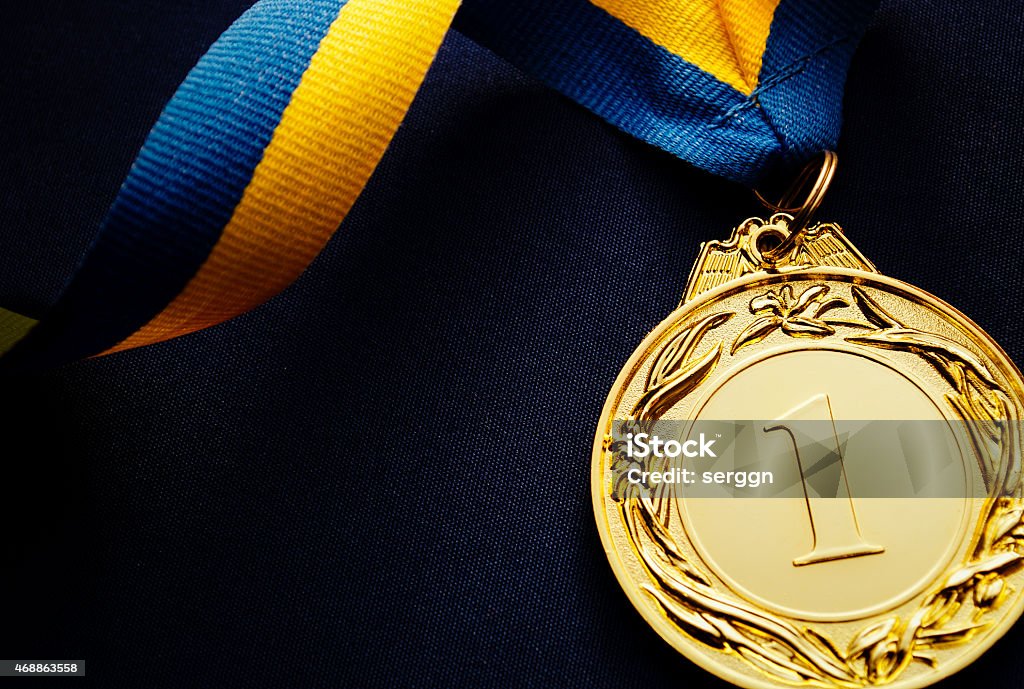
[882, 651]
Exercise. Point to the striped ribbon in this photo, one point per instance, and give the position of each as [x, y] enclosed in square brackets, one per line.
[266, 145]
[735, 87]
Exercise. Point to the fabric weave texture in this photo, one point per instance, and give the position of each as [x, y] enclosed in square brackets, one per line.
[381, 477]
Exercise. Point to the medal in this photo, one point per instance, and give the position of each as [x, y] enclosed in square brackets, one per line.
[787, 323]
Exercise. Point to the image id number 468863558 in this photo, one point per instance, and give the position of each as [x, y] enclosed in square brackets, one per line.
[46, 667]
[42, 668]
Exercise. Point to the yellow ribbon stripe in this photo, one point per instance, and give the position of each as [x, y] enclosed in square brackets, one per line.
[13, 327]
[333, 133]
[725, 38]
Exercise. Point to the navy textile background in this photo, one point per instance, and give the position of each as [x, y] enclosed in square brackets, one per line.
[217, 511]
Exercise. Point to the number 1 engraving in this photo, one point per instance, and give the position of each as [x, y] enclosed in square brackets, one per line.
[834, 528]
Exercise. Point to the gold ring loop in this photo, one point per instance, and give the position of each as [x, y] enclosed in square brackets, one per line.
[802, 214]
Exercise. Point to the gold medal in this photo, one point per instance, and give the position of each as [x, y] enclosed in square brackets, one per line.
[788, 323]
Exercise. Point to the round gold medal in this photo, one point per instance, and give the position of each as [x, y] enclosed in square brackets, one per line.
[863, 526]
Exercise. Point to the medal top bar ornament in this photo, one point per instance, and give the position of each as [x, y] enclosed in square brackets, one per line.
[786, 321]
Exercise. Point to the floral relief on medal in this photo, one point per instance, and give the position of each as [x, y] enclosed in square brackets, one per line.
[794, 315]
[782, 649]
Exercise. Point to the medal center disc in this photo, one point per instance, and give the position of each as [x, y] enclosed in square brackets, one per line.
[769, 550]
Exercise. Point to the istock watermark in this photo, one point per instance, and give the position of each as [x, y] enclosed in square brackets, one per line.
[805, 459]
[644, 444]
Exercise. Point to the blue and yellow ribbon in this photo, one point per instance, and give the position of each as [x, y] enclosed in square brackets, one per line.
[735, 87]
[248, 172]
[272, 136]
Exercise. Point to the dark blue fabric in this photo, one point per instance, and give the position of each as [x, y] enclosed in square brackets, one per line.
[185, 183]
[209, 512]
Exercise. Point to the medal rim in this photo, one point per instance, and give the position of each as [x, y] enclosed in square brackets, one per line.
[668, 632]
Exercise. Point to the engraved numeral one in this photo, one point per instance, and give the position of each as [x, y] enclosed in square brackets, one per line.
[833, 521]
